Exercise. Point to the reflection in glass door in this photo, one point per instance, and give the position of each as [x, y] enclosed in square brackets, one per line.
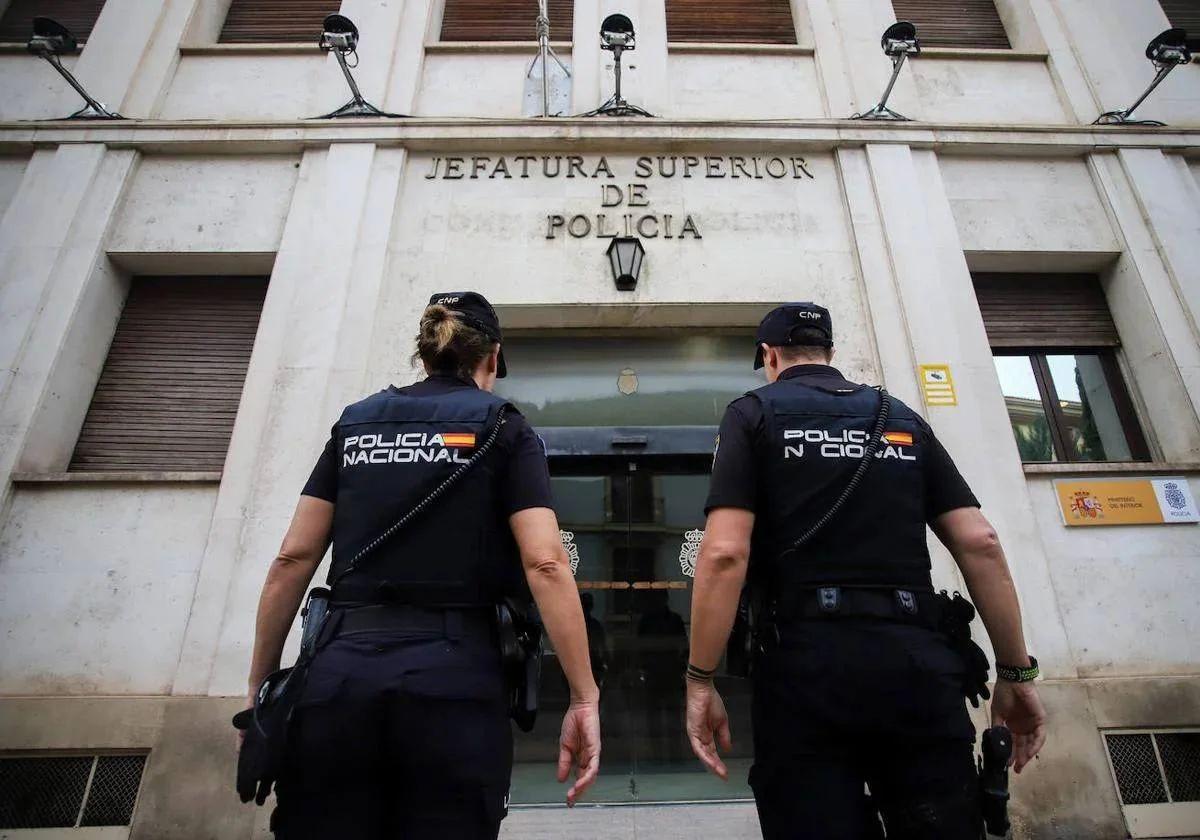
[634, 526]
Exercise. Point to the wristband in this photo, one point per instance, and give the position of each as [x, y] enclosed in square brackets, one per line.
[1017, 674]
[697, 674]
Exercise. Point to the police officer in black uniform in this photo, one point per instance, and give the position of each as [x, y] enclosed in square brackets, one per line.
[855, 679]
[402, 728]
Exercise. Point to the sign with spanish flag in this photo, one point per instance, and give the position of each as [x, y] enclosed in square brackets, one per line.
[458, 440]
[1125, 501]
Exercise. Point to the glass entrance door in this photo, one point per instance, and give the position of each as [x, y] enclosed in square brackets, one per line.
[632, 526]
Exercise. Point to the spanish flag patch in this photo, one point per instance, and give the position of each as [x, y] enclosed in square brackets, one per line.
[459, 440]
[899, 438]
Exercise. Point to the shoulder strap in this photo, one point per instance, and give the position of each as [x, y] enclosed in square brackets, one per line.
[885, 409]
[434, 495]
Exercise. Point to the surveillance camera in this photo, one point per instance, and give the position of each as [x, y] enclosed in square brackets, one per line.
[342, 41]
[50, 38]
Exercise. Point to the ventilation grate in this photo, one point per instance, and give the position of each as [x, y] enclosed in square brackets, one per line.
[42, 792]
[1139, 780]
[69, 791]
[114, 790]
[1180, 753]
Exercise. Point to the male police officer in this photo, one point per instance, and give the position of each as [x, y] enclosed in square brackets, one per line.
[854, 680]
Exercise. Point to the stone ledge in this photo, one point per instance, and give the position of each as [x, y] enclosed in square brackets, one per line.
[741, 49]
[140, 477]
[1139, 468]
[307, 48]
[962, 54]
[501, 47]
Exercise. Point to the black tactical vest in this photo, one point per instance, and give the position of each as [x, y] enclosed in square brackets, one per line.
[816, 430]
[394, 449]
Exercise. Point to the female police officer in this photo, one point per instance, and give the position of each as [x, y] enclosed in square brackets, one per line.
[402, 727]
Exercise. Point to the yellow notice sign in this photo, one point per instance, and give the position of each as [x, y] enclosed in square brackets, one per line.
[1126, 501]
[937, 385]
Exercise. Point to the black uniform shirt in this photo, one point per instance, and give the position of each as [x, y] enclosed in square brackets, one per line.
[736, 477]
[523, 474]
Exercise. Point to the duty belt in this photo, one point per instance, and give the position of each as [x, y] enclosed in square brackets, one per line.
[454, 623]
[915, 605]
[418, 594]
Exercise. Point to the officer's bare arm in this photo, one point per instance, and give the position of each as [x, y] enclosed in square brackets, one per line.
[548, 570]
[720, 573]
[976, 548]
[291, 572]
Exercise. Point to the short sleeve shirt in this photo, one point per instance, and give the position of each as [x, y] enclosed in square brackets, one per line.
[523, 473]
[736, 477]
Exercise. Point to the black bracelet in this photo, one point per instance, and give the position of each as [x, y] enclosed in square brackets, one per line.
[1017, 673]
[699, 674]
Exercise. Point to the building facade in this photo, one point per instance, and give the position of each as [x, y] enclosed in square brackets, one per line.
[188, 297]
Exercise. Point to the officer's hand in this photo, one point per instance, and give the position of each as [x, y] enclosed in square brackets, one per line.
[1017, 706]
[579, 745]
[708, 725]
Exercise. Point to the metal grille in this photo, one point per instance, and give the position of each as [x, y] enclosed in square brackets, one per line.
[42, 792]
[169, 390]
[1136, 767]
[79, 16]
[114, 790]
[955, 23]
[1180, 753]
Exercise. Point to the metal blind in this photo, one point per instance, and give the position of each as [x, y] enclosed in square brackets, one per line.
[955, 23]
[730, 21]
[168, 393]
[1045, 311]
[504, 20]
[1185, 14]
[276, 21]
[79, 16]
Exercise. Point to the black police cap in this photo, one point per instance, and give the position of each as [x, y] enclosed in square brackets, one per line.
[782, 325]
[474, 310]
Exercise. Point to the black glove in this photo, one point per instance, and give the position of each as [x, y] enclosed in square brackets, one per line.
[253, 759]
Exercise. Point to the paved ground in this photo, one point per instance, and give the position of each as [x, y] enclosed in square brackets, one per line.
[633, 822]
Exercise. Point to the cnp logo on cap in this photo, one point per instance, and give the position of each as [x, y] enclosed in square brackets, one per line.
[791, 325]
[474, 310]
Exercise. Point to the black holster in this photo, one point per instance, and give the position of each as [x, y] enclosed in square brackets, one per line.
[267, 725]
[996, 750]
[957, 614]
[520, 636]
[754, 631]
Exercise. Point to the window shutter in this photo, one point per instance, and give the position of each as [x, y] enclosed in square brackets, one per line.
[1184, 14]
[79, 16]
[955, 23]
[730, 21]
[1045, 311]
[170, 387]
[276, 21]
[504, 20]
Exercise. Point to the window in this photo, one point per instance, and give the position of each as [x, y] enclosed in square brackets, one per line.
[587, 380]
[1185, 14]
[169, 391]
[276, 21]
[730, 21]
[504, 20]
[69, 791]
[955, 23]
[1158, 779]
[1054, 346]
[79, 16]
